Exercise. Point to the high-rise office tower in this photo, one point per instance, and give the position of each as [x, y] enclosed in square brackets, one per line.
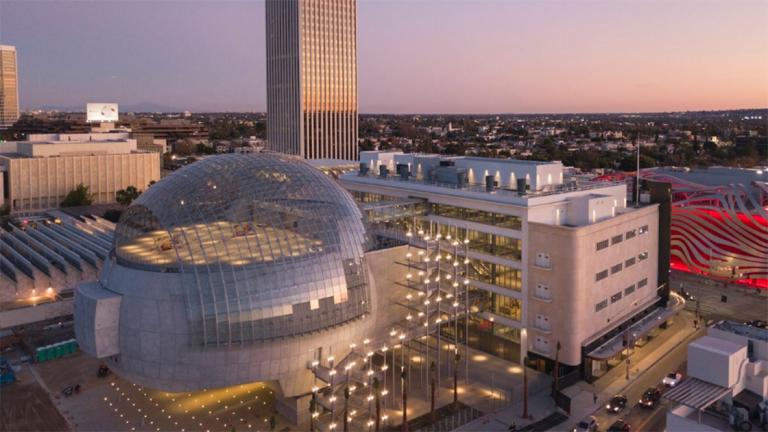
[9, 86]
[312, 78]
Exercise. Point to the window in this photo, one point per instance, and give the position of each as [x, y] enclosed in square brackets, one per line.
[616, 297]
[495, 274]
[602, 275]
[617, 268]
[542, 291]
[643, 229]
[507, 307]
[616, 239]
[542, 322]
[602, 244]
[602, 305]
[643, 256]
[472, 215]
[642, 283]
[630, 262]
[630, 234]
[541, 344]
[629, 290]
[543, 260]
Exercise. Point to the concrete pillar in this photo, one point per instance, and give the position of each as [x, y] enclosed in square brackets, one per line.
[295, 409]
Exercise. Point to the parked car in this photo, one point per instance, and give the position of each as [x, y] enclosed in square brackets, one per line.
[650, 397]
[672, 379]
[616, 404]
[758, 323]
[619, 426]
[589, 424]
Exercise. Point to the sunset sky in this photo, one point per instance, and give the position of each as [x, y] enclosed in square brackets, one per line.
[414, 56]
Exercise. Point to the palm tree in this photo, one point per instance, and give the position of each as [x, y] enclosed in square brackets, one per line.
[346, 409]
[432, 373]
[312, 408]
[456, 358]
[403, 376]
[378, 402]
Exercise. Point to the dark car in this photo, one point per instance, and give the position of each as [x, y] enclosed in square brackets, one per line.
[650, 398]
[616, 404]
[619, 426]
[758, 323]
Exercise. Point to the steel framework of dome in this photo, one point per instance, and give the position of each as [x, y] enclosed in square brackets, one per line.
[267, 246]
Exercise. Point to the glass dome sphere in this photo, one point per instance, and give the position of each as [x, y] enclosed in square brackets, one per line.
[266, 245]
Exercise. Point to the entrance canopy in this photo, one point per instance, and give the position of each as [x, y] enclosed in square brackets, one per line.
[639, 329]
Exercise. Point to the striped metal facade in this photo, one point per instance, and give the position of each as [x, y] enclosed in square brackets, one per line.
[312, 78]
[9, 87]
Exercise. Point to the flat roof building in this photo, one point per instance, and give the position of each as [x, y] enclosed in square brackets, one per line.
[38, 174]
[726, 375]
[42, 259]
[312, 78]
[555, 266]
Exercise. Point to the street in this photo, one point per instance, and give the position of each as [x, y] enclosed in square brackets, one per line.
[742, 304]
[645, 419]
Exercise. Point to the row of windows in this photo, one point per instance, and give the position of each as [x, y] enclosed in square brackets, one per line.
[495, 274]
[618, 267]
[497, 304]
[493, 244]
[473, 215]
[603, 244]
[619, 295]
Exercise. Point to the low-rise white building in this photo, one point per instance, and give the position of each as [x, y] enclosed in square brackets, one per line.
[727, 383]
[38, 173]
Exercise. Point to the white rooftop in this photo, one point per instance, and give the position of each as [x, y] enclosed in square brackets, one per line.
[717, 345]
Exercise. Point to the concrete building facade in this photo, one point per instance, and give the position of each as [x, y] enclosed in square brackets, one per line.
[9, 86]
[235, 269]
[38, 174]
[312, 78]
[549, 262]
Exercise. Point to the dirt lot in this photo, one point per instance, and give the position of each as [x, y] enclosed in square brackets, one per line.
[25, 406]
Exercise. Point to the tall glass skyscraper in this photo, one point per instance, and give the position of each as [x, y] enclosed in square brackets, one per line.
[312, 78]
[9, 87]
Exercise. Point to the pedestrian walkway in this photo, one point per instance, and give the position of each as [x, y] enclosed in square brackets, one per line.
[614, 381]
[582, 394]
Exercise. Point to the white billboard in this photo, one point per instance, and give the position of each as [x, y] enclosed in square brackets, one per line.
[101, 112]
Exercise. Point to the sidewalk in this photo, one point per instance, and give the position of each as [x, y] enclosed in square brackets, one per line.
[615, 382]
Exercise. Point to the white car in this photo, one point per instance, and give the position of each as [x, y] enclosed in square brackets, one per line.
[589, 424]
[672, 379]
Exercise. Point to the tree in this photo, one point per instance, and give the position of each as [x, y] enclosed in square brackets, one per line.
[403, 376]
[456, 358]
[346, 407]
[203, 149]
[113, 215]
[312, 409]
[378, 403]
[79, 196]
[184, 147]
[5, 214]
[126, 196]
[432, 386]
